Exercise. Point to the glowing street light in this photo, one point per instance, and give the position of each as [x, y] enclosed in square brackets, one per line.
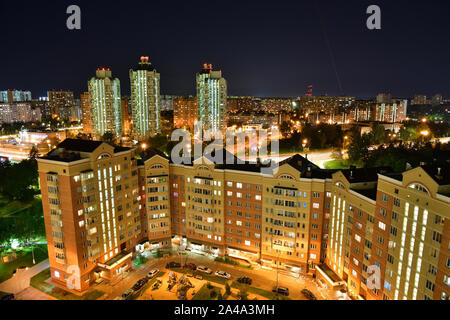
[144, 146]
[304, 143]
[425, 133]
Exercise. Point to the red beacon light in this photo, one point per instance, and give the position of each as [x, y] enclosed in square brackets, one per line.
[144, 59]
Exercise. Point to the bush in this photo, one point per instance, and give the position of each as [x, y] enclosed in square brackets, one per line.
[227, 289]
[213, 293]
[209, 285]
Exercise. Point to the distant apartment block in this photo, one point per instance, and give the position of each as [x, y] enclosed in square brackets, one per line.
[184, 112]
[19, 112]
[11, 96]
[60, 101]
[391, 112]
[419, 100]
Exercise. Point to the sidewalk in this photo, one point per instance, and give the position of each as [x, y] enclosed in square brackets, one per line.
[21, 280]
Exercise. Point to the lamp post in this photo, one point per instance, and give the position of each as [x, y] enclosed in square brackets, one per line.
[32, 253]
[276, 262]
[425, 134]
[304, 143]
[344, 142]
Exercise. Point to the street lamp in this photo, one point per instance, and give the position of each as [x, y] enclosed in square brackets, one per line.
[425, 134]
[144, 146]
[304, 143]
[345, 141]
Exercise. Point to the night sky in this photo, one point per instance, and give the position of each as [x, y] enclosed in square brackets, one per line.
[264, 48]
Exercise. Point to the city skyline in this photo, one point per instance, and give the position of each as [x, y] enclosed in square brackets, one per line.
[265, 52]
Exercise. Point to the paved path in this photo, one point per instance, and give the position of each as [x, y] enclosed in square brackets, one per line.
[21, 280]
[31, 293]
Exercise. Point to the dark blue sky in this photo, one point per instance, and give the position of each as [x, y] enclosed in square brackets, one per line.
[264, 48]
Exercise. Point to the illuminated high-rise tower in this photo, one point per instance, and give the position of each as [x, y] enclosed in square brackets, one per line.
[145, 100]
[211, 99]
[105, 101]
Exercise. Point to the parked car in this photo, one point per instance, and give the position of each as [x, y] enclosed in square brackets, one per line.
[157, 285]
[8, 297]
[127, 294]
[191, 266]
[245, 280]
[152, 273]
[172, 265]
[281, 290]
[308, 294]
[223, 274]
[204, 269]
[138, 285]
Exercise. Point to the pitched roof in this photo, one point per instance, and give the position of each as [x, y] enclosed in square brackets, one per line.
[440, 174]
[79, 145]
[358, 175]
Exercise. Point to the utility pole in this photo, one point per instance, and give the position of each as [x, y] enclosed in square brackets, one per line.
[32, 253]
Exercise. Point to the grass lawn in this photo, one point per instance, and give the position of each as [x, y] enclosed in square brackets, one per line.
[263, 293]
[337, 164]
[25, 259]
[233, 262]
[205, 293]
[38, 282]
[140, 260]
[8, 208]
[161, 253]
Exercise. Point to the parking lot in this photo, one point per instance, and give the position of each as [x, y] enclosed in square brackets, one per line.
[263, 280]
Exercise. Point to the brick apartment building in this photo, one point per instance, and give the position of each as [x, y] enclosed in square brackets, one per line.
[100, 202]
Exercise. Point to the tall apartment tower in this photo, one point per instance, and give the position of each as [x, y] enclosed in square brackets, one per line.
[211, 99]
[106, 104]
[145, 99]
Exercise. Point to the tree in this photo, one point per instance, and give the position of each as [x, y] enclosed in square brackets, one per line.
[109, 138]
[285, 128]
[358, 149]
[19, 181]
[337, 154]
[379, 134]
